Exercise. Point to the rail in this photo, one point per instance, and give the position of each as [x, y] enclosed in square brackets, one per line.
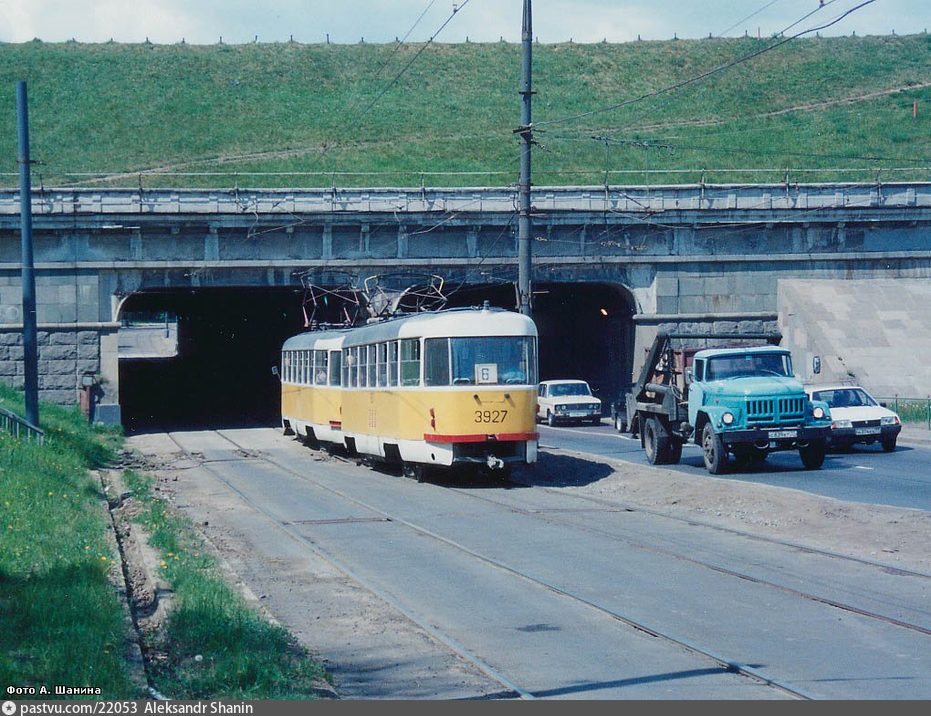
[910, 410]
[17, 426]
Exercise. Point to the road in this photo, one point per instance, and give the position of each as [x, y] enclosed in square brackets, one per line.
[865, 474]
[446, 590]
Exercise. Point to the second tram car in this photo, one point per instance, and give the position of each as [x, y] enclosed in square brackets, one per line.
[430, 389]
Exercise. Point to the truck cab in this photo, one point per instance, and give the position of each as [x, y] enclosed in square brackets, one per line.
[747, 402]
[738, 401]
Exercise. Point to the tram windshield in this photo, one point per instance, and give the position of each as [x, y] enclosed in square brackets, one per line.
[494, 360]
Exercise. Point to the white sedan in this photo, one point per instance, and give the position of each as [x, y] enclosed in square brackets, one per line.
[567, 401]
[857, 417]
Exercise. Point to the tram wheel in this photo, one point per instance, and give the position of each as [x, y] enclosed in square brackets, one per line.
[413, 471]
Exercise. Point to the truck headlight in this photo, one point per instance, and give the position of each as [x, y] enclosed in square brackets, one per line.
[818, 412]
[889, 420]
[841, 424]
[727, 418]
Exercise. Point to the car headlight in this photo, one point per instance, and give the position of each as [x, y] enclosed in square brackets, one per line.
[889, 420]
[842, 424]
[818, 412]
[560, 408]
[727, 418]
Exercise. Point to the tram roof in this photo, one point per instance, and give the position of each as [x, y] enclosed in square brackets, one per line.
[446, 322]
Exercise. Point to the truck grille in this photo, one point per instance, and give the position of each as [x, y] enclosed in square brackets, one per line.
[778, 411]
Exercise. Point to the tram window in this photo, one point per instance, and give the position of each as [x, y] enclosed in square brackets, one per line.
[363, 365]
[393, 363]
[352, 361]
[372, 367]
[320, 367]
[436, 361]
[382, 365]
[306, 358]
[335, 371]
[410, 361]
[285, 367]
[496, 359]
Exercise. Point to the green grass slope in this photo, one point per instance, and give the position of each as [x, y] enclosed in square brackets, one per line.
[320, 115]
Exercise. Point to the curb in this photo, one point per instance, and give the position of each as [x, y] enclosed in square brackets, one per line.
[135, 661]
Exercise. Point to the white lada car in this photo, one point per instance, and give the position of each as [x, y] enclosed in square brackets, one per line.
[567, 401]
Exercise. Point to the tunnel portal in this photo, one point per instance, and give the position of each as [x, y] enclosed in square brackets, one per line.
[228, 340]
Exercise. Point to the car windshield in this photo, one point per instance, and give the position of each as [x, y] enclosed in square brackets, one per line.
[560, 389]
[845, 397]
[735, 366]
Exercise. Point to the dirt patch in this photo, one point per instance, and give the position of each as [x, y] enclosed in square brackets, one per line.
[894, 535]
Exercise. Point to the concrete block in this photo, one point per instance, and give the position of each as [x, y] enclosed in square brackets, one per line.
[59, 353]
[667, 286]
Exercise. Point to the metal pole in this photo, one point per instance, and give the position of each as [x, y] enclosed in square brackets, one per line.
[30, 343]
[525, 130]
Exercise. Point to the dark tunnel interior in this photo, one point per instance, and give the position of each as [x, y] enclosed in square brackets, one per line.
[229, 338]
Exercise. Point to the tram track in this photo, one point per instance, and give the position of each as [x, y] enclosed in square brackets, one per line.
[724, 663]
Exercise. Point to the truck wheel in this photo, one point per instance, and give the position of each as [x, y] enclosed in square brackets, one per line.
[715, 453]
[655, 441]
[813, 454]
[674, 452]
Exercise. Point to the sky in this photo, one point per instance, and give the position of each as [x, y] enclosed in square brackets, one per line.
[206, 22]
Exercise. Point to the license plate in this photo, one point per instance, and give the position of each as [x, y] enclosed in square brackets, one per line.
[783, 434]
[578, 414]
[867, 431]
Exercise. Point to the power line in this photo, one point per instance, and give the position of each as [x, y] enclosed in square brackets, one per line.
[456, 9]
[709, 73]
[743, 20]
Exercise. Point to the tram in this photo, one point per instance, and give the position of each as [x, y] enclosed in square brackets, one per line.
[433, 389]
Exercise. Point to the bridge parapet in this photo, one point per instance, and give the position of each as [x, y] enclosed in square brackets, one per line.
[633, 199]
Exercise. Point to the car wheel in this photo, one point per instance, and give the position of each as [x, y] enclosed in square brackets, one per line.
[550, 419]
[813, 454]
[713, 450]
[889, 445]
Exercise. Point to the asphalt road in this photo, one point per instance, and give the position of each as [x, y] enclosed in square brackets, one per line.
[865, 474]
[543, 593]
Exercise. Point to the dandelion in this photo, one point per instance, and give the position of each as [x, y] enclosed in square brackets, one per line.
[163, 564]
[103, 558]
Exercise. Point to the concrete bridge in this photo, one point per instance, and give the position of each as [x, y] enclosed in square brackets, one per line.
[611, 266]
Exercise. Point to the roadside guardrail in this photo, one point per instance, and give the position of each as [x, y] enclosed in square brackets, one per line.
[19, 427]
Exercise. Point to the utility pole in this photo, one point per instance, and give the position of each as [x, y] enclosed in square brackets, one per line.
[30, 343]
[524, 227]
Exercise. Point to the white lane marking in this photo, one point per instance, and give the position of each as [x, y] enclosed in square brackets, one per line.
[863, 467]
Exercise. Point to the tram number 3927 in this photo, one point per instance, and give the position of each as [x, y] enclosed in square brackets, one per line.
[490, 416]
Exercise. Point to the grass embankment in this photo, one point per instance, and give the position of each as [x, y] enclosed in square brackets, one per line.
[844, 106]
[60, 618]
[213, 643]
[61, 621]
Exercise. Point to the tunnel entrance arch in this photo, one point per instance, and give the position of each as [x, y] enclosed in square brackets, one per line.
[229, 338]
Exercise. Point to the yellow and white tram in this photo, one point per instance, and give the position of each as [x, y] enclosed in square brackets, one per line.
[442, 388]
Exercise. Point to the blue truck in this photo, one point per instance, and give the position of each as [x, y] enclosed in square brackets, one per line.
[738, 403]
